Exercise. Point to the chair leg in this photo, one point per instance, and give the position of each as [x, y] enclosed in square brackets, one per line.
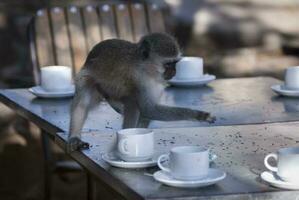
[47, 166]
[91, 187]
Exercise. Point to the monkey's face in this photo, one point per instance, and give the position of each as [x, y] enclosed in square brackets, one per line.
[170, 70]
[161, 48]
[168, 52]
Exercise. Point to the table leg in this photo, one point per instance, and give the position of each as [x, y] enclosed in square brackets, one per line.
[91, 187]
[47, 166]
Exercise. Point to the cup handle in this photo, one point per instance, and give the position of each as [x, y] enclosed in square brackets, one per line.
[162, 158]
[122, 146]
[271, 155]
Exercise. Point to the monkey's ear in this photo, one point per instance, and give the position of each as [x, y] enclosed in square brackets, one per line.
[144, 49]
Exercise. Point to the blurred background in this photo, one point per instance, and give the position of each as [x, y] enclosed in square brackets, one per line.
[236, 38]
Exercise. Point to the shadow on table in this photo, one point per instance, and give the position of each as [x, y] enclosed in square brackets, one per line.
[291, 104]
[186, 95]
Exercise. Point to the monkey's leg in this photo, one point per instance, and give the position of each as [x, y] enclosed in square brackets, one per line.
[131, 114]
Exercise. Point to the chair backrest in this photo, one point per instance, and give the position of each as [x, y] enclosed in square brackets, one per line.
[65, 35]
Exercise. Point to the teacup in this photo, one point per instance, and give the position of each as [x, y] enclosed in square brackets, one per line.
[287, 164]
[135, 144]
[186, 162]
[189, 68]
[56, 78]
[292, 78]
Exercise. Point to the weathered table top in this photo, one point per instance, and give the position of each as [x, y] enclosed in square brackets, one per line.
[240, 148]
[240, 151]
[232, 101]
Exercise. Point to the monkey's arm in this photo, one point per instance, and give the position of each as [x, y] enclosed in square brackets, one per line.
[152, 110]
[86, 97]
[79, 109]
[168, 113]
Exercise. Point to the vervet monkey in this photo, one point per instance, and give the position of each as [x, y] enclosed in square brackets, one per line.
[131, 77]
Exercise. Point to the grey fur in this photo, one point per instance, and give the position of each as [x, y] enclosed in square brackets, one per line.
[130, 77]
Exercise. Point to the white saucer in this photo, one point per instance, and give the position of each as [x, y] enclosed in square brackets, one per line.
[214, 175]
[115, 161]
[274, 180]
[203, 80]
[279, 89]
[40, 92]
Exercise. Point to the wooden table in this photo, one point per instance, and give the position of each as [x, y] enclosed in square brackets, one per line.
[240, 151]
[233, 101]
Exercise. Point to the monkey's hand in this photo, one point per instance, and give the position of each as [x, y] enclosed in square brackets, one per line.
[205, 116]
[75, 143]
[211, 119]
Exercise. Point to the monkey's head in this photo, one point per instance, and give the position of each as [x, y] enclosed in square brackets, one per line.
[160, 48]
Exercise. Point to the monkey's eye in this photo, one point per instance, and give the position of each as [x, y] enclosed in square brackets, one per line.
[169, 65]
[172, 63]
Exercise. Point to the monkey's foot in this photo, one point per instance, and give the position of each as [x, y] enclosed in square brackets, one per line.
[75, 143]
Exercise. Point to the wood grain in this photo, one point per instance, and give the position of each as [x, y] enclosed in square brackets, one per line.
[140, 27]
[107, 22]
[44, 46]
[123, 22]
[155, 18]
[61, 38]
[92, 28]
[77, 38]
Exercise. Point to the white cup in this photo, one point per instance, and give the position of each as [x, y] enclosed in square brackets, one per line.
[189, 68]
[135, 144]
[56, 78]
[186, 162]
[287, 164]
[292, 78]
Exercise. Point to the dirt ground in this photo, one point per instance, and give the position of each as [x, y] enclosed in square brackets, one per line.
[22, 168]
[22, 165]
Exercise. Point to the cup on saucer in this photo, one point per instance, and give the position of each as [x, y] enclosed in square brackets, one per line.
[135, 144]
[190, 73]
[189, 68]
[186, 162]
[56, 78]
[291, 84]
[287, 164]
[292, 78]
